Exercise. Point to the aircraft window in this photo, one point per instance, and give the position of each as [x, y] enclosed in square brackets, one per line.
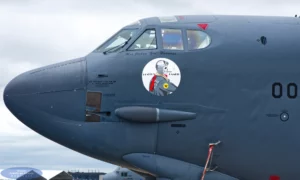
[172, 39]
[117, 40]
[146, 41]
[124, 174]
[197, 39]
[167, 19]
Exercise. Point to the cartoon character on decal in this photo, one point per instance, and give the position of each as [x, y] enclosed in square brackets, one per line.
[160, 84]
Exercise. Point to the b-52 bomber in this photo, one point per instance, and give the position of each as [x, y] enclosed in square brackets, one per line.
[177, 98]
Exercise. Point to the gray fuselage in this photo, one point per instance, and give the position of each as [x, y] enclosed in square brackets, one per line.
[228, 85]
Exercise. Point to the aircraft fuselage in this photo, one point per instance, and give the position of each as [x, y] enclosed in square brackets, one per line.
[242, 88]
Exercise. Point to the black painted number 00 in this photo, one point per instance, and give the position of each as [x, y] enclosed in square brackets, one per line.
[292, 90]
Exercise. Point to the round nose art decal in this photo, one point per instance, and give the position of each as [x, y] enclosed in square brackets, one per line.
[161, 76]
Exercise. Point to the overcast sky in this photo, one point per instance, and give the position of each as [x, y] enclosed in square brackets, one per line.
[35, 33]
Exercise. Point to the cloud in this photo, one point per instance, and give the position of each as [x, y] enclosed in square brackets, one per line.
[39, 152]
[17, 2]
[105, 9]
[9, 69]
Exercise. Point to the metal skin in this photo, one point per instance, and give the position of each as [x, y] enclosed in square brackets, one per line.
[228, 85]
[117, 175]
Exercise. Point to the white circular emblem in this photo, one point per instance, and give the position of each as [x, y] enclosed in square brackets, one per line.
[161, 76]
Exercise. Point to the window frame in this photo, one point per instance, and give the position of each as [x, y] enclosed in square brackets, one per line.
[126, 28]
[196, 29]
[183, 35]
[138, 35]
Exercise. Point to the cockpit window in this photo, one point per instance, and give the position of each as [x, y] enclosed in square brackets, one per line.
[172, 39]
[117, 40]
[146, 41]
[197, 39]
[167, 19]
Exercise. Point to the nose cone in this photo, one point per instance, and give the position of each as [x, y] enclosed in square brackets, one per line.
[52, 90]
[12, 89]
[5, 95]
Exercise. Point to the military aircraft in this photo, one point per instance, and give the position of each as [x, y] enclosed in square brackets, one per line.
[121, 174]
[180, 98]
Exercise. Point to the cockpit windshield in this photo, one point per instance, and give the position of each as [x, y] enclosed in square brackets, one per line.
[117, 40]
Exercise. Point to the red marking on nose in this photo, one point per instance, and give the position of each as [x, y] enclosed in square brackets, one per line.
[203, 26]
[273, 177]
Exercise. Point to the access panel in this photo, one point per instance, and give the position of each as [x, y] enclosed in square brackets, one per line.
[93, 106]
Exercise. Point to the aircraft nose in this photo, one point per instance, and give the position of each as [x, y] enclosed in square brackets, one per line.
[12, 89]
[52, 89]
[5, 94]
